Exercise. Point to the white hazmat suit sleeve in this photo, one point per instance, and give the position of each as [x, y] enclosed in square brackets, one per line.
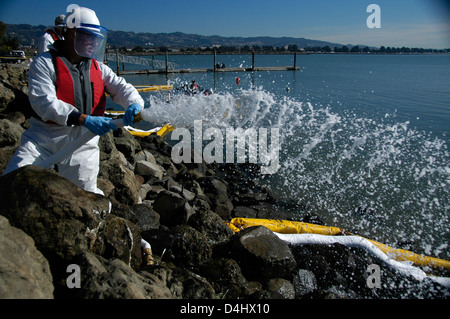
[42, 91]
[121, 92]
[48, 107]
[44, 42]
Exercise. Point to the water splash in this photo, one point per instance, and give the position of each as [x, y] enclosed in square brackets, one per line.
[376, 177]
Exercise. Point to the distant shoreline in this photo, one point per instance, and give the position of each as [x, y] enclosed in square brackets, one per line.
[273, 53]
[31, 52]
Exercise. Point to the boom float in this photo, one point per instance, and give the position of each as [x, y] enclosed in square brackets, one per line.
[299, 233]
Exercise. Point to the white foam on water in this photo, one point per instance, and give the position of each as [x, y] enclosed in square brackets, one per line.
[377, 177]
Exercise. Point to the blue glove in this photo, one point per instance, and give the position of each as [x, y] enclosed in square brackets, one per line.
[99, 125]
[131, 112]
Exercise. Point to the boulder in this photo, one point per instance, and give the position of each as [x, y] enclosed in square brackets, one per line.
[122, 240]
[193, 286]
[172, 208]
[212, 226]
[147, 218]
[148, 169]
[126, 143]
[144, 155]
[55, 212]
[6, 96]
[13, 89]
[10, 133]
[5, 155]
[108, 149]
[214, 186]
[226, 277]
[261, 254]
[279, 288]
[126, 187]
[175, 187]
[304, 282]
[113, 279]
[66, 221]
[182, 245]
[24, 271]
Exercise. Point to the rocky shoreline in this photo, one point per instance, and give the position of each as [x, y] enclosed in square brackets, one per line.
[52, 230]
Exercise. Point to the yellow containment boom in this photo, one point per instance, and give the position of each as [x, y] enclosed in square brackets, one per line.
[153, 88]
[292, 227]
[160, 131]
[286, 226]
[416, 259]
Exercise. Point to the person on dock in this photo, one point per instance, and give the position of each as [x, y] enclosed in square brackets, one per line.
[67, 88]
[194, 86]
[52, 34]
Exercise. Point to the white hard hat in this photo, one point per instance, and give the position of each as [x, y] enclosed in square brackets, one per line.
[84, 19]
[89, 30]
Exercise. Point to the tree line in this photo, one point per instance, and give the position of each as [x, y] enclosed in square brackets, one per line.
[286, 49]
[7, 42]
[382, 49]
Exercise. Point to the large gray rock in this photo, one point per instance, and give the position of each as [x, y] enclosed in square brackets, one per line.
[126, 143]
[14, 89]
[66, 221]
[182, 245]
[226, 277]
[261, 254]
[105, 279]
[10, 133]
[279, 288]
[212, 226]
[126, 187]
[57, 214]
[24, 271]
[148, 169]
[304, 282]
[147, 218]
[172, 208]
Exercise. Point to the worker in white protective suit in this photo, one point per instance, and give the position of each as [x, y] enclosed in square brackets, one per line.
[67, 88]
[52, 34]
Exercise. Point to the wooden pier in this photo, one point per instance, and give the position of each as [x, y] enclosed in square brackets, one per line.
[251, 69]
[170, 69]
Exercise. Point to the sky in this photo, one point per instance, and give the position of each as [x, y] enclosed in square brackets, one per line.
[409, 23]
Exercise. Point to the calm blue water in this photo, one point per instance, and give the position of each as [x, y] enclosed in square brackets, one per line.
[364, 139]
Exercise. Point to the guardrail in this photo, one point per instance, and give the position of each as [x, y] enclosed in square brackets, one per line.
[151, 62]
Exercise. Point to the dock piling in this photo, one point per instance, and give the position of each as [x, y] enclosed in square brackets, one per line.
[166, 69]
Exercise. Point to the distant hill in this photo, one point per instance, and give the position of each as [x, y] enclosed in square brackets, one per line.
[29, 35]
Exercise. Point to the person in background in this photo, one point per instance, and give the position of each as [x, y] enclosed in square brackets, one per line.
[52, 34]
[67, 88]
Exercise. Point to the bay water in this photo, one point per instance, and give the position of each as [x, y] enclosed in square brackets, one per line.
[364, 139]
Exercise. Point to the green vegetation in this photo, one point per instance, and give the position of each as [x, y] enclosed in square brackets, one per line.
[27, 37]
[7, 42]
